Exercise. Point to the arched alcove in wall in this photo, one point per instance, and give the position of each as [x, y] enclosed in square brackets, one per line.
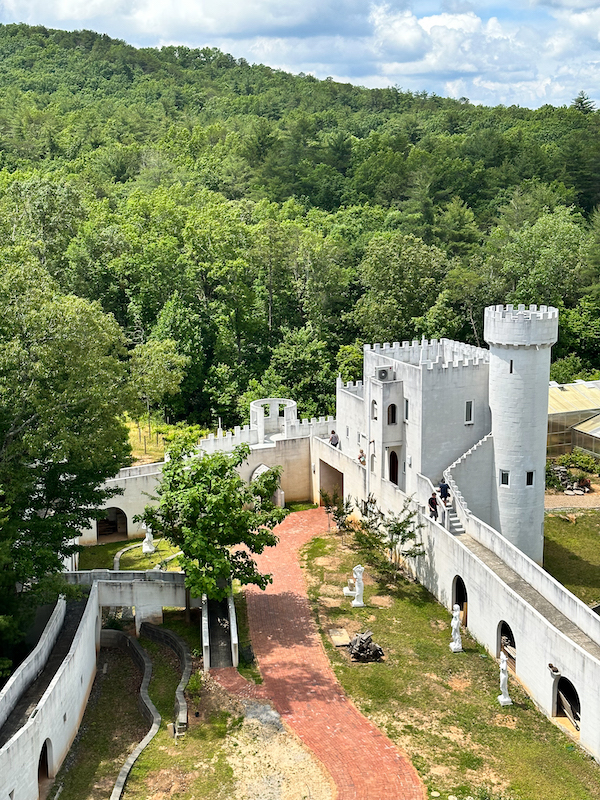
[392, 412]
[114, 523]
[507, 645]
[567, 703]
[45, 769]
[460, 598]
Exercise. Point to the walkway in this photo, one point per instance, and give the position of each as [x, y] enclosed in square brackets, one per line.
[299, 681]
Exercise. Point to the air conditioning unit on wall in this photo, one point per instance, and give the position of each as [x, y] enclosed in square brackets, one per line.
[384, 374]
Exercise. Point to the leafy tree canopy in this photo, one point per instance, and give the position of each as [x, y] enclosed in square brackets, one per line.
[215, 518]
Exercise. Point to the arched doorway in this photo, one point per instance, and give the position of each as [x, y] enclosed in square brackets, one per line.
[114, 524]
[459, 596]
[45, 770]
[567, 702]
[506, 645]
[394, 467]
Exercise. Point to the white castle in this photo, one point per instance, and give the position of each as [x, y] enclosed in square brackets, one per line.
[427, 410]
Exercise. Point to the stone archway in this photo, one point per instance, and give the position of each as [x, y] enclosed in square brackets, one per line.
[113, 524]
[506, 644]
[567, 704]
[460, 598]
[45, 770]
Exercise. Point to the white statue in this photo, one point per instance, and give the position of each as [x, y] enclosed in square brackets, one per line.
[148, 546]
[456, 643]
[503, 698]
[360, 587]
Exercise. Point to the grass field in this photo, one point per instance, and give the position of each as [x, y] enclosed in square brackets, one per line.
[440, 707]
[572, 552]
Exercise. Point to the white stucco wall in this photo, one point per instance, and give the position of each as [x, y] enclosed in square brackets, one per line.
[57, 716]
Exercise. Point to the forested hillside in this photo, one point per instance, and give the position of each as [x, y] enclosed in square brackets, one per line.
[270, 224]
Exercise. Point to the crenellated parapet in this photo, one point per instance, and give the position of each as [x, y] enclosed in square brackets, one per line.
[521, 327]
[432, 353]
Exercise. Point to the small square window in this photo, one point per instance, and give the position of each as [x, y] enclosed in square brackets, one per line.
[468, 411]
[504, 476]
[406, 408]
[530, 478]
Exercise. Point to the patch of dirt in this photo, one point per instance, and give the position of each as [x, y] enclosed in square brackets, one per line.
[438, 624]
[213, 700]
[168, 783]
[330, 602]
[381, 600]
[459, 684]
[505, 721]
[270, 763]
[329, 590]
[329, 562]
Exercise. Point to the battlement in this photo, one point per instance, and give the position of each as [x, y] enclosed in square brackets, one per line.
[521, 327]
[440, 353]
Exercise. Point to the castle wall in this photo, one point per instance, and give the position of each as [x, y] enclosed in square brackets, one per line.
[446, 431]
[472, 473]
[57, 716]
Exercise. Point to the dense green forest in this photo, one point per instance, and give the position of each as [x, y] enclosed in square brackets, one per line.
[184, 232]
[269, 224]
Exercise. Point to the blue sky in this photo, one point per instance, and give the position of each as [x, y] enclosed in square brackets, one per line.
[528, 53]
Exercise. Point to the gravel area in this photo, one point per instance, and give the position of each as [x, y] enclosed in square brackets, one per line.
[561, 500]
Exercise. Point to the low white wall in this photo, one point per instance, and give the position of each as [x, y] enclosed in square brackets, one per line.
[538, 643]
[57, 716]
[28, 671]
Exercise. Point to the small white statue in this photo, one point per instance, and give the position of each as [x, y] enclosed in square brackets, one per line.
[360, 587]
[456, 643]
[503, 698]
[148, 546]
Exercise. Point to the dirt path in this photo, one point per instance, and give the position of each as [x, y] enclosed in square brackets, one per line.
[583, 501]
[299, 681]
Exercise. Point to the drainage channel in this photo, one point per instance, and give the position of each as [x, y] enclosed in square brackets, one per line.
[219, 634]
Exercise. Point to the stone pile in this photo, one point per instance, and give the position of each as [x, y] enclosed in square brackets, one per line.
[569, 485]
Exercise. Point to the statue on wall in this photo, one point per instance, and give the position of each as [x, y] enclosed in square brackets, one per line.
[456, 643]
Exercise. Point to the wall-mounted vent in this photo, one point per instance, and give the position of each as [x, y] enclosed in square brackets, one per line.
[385, 374]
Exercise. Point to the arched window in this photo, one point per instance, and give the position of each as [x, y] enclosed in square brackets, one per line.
[373, 409]
[392, 418]
[394, 467]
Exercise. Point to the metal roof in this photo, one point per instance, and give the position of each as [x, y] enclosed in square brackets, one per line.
[569, 397]
[591, 426]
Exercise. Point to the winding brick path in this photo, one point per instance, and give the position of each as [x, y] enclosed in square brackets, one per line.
[300, 683]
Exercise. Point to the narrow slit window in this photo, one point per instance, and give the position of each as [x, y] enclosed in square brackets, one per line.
[530, 478]
[406, 408]
[504, 477]
[469, 411]
[511, 366]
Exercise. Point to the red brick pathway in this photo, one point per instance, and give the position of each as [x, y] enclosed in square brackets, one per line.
[300, 683]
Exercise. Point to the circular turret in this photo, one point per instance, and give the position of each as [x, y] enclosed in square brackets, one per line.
[520, 341]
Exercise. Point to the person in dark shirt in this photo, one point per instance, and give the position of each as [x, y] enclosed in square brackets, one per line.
[433, 506]
[334, 439]
[444, 491]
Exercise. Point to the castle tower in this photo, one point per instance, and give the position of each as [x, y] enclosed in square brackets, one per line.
[520, 341]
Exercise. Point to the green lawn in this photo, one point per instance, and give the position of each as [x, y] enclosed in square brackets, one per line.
[440, 707]
[101, 556]
[572, 552]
